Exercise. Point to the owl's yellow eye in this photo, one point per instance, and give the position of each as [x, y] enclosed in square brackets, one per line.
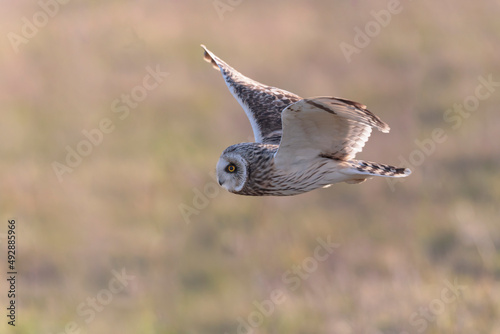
[231, 168]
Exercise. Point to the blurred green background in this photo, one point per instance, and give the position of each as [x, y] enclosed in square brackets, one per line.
[399, 245]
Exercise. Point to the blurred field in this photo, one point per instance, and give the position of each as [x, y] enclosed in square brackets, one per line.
[119, 209]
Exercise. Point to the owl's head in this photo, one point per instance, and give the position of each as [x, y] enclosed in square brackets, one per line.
[232, 170]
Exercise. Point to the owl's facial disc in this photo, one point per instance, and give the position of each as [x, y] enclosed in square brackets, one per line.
[231, 172]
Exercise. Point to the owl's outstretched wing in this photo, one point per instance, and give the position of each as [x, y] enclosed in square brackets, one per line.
[325, 126]
[262, 104]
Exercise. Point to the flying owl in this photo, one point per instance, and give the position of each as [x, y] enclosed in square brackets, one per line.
[300, 144]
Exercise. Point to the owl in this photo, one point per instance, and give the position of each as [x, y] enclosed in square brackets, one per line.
[300, 144]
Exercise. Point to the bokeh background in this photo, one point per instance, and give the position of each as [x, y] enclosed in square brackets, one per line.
[202, 263]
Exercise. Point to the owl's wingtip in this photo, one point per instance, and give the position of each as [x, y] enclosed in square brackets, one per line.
[209, 57]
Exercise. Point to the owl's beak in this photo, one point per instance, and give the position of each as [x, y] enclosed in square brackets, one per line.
[220, 182]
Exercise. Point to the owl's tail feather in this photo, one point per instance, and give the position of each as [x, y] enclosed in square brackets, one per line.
[373, 168]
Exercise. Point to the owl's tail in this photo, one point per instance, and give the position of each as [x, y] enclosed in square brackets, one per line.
[361, 167]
